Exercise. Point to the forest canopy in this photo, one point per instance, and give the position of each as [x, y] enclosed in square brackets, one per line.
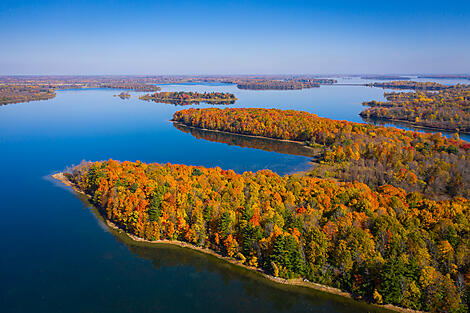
[186, 98]
[385, 246]
[428, 163]
[447, 109]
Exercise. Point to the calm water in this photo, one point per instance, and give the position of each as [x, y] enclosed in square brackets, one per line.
[57, 256]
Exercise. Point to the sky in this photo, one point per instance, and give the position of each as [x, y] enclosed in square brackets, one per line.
[234, 37]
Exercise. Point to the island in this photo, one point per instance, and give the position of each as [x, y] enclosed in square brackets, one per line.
[411, 85]
[383, 245]
[186, 98]
[448, 109]
[429, 163]
[123, 95]
[289, 84]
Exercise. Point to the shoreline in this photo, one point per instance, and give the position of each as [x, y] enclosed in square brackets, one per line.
[299, 282]
[412, 124]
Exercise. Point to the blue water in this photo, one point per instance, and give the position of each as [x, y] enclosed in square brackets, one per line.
[57, 256]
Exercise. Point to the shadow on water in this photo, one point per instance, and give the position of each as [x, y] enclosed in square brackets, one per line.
[265, 144]
[259, 294]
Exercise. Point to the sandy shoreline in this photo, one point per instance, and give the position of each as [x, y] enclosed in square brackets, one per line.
[293, 282]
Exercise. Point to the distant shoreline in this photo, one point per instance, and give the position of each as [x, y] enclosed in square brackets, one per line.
[412, 124]
[292, 282]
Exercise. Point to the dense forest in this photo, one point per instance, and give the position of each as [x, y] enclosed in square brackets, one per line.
[186, 98]
[289, 84]
[384, 246]
[429, 163]
[447, 109]
[18, 93]
[404, 84]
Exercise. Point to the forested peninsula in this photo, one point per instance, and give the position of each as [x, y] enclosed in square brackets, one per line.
[427, 163]
[448, 109]
[186, 98]
[383, 245]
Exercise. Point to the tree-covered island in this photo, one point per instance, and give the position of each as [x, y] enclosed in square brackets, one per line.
[186, 98]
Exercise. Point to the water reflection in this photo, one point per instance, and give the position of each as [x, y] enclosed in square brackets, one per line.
[265, 144]
[238, 289]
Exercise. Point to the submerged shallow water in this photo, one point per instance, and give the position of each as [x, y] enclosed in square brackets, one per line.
[57, 256]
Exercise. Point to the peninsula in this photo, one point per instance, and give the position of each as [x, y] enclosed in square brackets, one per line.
[292, 227]
[448, 109]
[352, 151]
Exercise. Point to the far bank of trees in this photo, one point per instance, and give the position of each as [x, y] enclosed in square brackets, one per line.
[447, 109]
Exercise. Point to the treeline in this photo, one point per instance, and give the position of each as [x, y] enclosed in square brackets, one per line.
[448, 109]
[384, 246]
[26, 90]
[284, 84]
[385, 77]
[128, 86]
[404, 84]
[185, 98]
[428, 163]
[18, 93]
[446, 76]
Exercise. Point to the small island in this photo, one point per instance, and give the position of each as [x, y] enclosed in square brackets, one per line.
[123, 95]
[448, 109]
[186, 98]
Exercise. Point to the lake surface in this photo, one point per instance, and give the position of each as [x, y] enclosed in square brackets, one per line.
[57, 256]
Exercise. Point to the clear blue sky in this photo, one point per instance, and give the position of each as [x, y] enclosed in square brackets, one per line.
[232, 37]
